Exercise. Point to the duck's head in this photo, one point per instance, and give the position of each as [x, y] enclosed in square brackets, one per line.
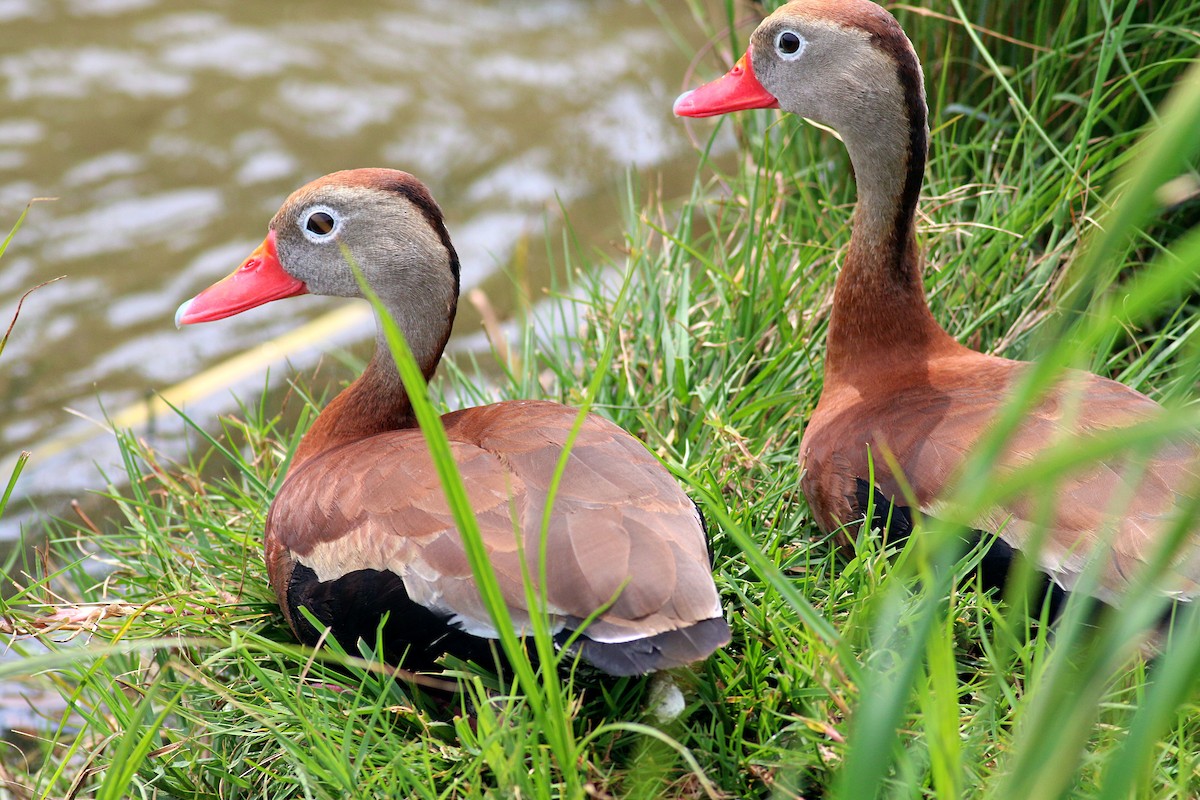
[383, 221]
[844, 63]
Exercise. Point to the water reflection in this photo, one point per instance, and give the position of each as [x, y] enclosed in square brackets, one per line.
[170, 137]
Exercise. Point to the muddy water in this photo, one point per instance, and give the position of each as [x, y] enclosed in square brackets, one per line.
[170, 132]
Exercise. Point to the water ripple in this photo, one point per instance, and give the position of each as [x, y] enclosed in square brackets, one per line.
[88, 72]
[117, 226]
[210, 42]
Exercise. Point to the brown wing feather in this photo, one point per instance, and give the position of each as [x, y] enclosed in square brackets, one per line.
[621, 527]
[930, 421]
[617, 513]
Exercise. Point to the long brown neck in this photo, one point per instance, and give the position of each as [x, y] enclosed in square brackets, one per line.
[377, 402]
[880, 316]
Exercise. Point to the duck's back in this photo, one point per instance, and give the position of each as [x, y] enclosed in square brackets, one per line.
[929, 420]
[622, 538]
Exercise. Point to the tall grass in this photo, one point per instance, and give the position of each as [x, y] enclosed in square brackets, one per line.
[850, 675]
[23, 457]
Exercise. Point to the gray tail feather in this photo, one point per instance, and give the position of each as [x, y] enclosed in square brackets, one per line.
[660, 651]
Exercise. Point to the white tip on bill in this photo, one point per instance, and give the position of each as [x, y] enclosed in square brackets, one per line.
[682, 103]
[180, 312]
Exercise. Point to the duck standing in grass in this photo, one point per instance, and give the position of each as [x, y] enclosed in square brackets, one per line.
[361, 529]
[895, 382]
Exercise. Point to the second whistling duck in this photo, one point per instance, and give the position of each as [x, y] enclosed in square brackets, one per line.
[895, 381]
[361, 527]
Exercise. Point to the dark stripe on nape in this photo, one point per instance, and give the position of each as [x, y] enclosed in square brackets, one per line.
[415, 192]
[892, 41]
[918, 146]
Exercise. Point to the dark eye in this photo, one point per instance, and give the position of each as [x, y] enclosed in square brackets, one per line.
[320, 223]
[790, 44]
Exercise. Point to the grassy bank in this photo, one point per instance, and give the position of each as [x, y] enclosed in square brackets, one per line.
[849, 675]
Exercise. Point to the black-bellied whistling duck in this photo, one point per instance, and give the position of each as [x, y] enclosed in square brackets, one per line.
[361, 527]
[895, 381]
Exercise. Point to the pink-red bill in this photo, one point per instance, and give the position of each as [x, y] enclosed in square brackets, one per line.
[260, 279]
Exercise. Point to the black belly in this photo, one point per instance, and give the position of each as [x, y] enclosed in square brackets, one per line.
[994, 567]
[353, 605]
[414, 637]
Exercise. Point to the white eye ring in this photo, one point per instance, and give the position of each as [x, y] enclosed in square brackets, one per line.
[320, 224]
[790, 45]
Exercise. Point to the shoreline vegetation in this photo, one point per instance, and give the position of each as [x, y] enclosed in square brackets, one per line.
[1059, 219]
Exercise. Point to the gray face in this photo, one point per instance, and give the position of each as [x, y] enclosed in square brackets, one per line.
[828, 71]
[325, 227]
[834, 64]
